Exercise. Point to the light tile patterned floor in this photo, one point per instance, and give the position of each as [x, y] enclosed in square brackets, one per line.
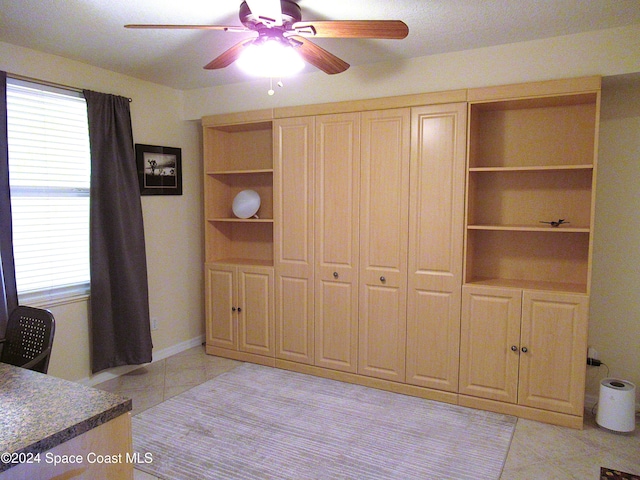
[538, 451]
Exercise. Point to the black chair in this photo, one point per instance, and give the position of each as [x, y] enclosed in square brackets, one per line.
[28, 339]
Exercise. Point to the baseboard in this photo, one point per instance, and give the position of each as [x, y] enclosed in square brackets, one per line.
[156, 356]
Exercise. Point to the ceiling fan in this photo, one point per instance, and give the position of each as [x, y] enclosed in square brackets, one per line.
[280, 21]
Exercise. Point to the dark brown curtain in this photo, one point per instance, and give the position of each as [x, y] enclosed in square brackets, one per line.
[120, 329]
[8, 291]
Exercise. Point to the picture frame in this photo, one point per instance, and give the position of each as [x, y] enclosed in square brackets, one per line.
[159, 169]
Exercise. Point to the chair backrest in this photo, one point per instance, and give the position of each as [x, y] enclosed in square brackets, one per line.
[28, 339]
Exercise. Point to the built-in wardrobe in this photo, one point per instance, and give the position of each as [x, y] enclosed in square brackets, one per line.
[436, 245]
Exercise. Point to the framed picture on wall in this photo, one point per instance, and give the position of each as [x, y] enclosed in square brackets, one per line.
[159, 169]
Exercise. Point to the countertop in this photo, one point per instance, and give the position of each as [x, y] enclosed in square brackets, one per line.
[39, 412]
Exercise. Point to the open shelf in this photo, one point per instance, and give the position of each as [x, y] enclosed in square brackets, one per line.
[525, 256]
[221, 189]
[564, 228]
[532, 168]
[240, 172]
[241, 220]
[251, 242]
[238, 157]
[242, 261]
[531, 160]
[530, 285]
[238, 148]
[548, 131]
[517, 196]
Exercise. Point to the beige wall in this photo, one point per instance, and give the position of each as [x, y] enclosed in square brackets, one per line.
[614, 326]
[173, 224]
[606, 52]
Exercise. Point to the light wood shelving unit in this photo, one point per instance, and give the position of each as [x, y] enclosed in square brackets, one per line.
[238, 157]
[532, 152]
[531, 160]
[488, 305]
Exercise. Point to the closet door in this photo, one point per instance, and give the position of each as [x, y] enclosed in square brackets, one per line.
[336, 245]
[293, 200]
[490, 343]
[438, 137]
[220, 284]
[384, 223]
[255, 312]
[553, 347]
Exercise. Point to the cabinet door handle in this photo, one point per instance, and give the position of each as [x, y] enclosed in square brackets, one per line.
[239, 309]
[233, 309]
[514, 348]
[335, 274]
[382, 279]
[524, 350]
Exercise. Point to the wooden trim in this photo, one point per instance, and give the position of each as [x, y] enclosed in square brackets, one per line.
[535, 89]
[240, 356]
[421, 392]
[545, 416]
[383, 103]
[252, 116]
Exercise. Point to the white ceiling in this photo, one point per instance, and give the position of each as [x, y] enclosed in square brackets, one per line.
[91, 31]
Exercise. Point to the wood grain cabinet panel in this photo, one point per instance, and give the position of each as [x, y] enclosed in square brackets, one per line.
[294, 153]
[240, 308]
[435, 245]
[383, 229]
[221, 297]
[554, 332]
[524, 347]
[337, 184]
[490, 343]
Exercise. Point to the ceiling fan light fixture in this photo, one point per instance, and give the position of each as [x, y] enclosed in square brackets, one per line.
[271, 58]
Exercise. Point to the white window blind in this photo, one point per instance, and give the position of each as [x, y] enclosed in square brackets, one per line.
[49, 176]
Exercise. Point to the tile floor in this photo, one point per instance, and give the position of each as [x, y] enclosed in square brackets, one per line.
[538, 451]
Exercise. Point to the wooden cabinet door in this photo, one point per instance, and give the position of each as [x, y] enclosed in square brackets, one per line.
[255, 310]
[489, 343]
[220, 296]
[293, 200]
[384, 210]
[336, 241]
[553, 351]
[436, 227]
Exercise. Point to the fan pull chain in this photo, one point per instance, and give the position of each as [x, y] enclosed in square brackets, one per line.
[271, 91]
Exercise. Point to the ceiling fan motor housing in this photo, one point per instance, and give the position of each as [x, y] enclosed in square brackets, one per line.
[291, 14]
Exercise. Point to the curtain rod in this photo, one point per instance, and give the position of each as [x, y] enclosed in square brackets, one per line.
[47, 83]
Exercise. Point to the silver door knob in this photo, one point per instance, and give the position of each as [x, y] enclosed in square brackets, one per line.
[382, 279]
[524, 350]
[335, 274]
[514, 348]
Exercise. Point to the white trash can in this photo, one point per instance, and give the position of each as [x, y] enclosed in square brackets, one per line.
[617, 405]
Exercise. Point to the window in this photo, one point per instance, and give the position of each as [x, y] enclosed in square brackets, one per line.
[49, 176]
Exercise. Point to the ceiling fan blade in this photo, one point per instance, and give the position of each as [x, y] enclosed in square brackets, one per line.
[390, 29]
[230, 28]
[228, 57]
[319, 57]
[269, 11]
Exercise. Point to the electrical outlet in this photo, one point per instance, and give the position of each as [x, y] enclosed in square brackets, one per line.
[593, 353]
[154, 323]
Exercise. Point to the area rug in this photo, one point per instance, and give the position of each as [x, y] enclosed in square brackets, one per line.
[258, 422]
